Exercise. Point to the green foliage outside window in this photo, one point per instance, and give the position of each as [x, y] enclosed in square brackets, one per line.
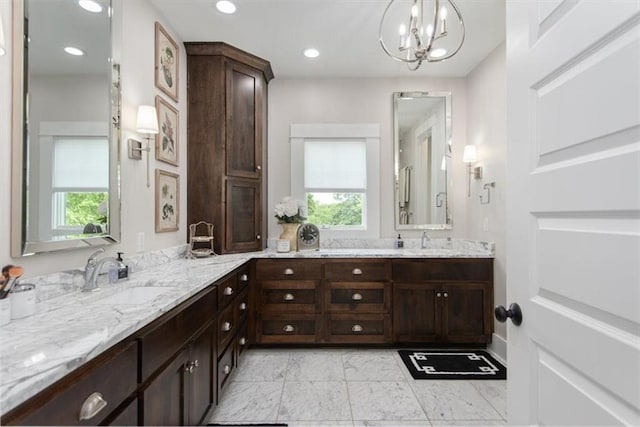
[342, 209]
[85, 208]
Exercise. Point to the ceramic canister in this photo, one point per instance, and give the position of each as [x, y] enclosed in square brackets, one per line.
[23, 300]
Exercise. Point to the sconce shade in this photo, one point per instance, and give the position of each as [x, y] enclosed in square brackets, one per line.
[470, 154]
[2, 49]
[147, 119]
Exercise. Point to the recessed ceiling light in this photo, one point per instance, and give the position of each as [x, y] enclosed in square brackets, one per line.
[73, 51]
[438, 53]
[225, 6]
[311, 53]
[90, 6]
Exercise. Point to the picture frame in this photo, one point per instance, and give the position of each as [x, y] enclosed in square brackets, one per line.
[167, 59]
[167, 201]
[167, 147]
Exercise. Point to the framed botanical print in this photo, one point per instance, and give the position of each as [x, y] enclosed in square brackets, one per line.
[167, 201]
[166, 63]
[167, 137]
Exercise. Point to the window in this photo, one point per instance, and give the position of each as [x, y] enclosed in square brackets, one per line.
[334, 169]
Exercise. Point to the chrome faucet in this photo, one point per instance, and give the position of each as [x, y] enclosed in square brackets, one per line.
[92, 270]
[425, 239]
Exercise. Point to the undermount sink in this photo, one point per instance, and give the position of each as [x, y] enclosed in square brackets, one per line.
[138, 295]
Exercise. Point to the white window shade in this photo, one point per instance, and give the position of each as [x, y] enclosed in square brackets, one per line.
[335, 164]
[81, 163]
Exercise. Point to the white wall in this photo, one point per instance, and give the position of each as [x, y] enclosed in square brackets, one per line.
[137, 68]
[486, 127]
[304, 101]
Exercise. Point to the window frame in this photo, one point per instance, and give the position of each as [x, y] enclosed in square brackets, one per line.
[369, 133]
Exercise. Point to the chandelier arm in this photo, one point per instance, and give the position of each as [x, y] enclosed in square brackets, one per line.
[384, 46]
[462, 31]
[432, 36]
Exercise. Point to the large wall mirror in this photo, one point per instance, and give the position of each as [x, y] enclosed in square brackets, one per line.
[66, 126]
[422, 161]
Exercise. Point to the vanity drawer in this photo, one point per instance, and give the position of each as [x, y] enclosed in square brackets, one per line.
[226, 366]
[288, 329]
[227, 290]
[302, 296]
[242, 307]
[361, 328]
[61, 403]
[243, 277]
[226, 325]
[288, 269]
[452, 269]
[357, 270]
[163, 340]
[243, 340]
[371, 297]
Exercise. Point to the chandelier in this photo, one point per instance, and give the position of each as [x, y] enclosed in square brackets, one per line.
[422, 32]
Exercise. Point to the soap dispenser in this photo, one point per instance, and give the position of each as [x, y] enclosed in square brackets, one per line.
[399, 243]
[123, 269]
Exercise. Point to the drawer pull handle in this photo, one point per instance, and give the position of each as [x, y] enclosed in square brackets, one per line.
[356, 297]
[244, 278]
[243, 306]
[226, 369]
[228, 291]
[356, 272]
[288, 271]
[288, 297]
[226, 327]
[242, 341]
[446, 295]
[356, 328]
[288, 328]
[92, 405]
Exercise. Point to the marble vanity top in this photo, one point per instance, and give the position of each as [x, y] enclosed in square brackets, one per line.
[70, 329]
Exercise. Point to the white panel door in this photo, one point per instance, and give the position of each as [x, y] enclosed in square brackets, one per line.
[573, 211]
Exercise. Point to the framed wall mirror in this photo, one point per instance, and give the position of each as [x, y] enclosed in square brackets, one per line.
[422, 160]
[66, 126]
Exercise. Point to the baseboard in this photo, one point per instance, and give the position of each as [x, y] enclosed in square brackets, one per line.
[498, 348]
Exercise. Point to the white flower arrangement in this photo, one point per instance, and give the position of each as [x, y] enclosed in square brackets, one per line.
[288, 211]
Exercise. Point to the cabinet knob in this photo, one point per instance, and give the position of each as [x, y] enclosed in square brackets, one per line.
[288, 297]
[356, 328]
[196, 363]
[226, 369]
[258, 237]
[288, 271]
[438, 294]
[446, 295]
[188, 368]
[226, 327]
[243, 306]
[288, 328]
[92, 406]
[258, 168]
[242, 341]
[356, 272]
[244, 278]
[228, 290]
[356, 297]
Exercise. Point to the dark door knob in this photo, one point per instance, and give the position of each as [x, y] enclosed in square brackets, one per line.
[514, 313]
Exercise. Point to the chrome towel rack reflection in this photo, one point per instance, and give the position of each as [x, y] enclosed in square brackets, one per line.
[487, 187]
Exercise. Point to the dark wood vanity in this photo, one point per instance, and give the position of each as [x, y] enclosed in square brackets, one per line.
[172, 371]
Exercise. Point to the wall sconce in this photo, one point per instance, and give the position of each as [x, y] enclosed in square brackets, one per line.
[470, 156]
[2, 48]
[146, 123]
[487, 187]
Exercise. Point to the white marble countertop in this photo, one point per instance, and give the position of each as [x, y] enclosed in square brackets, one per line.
[71, 329]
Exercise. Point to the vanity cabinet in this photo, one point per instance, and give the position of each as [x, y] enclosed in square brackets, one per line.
[227, 128]
[91, 395]
[443, 301]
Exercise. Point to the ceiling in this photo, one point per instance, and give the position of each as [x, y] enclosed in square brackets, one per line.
[344, 31]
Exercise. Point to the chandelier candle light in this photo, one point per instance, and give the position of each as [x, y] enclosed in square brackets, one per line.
[426, 35]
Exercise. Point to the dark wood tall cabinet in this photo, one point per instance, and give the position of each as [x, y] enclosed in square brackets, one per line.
[227, 133]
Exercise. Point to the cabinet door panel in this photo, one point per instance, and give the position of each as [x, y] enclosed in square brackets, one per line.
[463, 313]
[416, 314]
[359, 328]
[243, 216]
[200, 391]
[463, 269]
[226, 365]
[164, 398]
[294, 328]
[349, 297]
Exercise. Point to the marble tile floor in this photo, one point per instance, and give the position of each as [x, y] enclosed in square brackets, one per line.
[351, 387]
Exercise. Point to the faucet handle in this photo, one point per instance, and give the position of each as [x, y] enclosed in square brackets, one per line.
[92, 258]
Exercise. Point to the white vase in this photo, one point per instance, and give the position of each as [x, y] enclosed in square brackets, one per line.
[290, 233]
